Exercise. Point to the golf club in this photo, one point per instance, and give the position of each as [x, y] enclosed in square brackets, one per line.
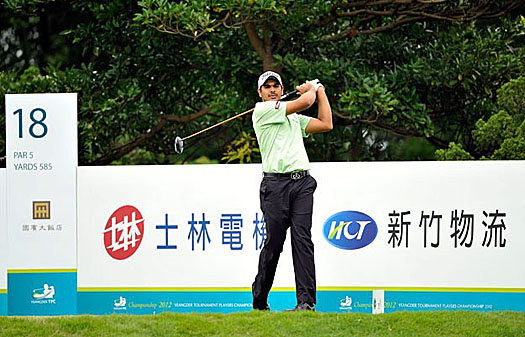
[179, 142]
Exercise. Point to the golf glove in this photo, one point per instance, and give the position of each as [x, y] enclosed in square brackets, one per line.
[316, 84]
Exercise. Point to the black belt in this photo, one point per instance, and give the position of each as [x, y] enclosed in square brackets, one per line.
[291, 175]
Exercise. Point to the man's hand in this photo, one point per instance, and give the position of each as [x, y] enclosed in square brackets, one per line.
[303, 88]
[323, 122]
[316, 84]
[307, 92]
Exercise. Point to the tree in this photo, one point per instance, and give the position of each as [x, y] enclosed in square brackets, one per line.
[151, 71]
[450, 68]
[270, 25]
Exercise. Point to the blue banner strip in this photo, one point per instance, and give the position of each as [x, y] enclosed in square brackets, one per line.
[154, 302]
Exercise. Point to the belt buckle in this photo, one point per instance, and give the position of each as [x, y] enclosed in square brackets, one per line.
[296, 175]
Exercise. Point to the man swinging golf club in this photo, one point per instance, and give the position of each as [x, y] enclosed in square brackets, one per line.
[287, 188]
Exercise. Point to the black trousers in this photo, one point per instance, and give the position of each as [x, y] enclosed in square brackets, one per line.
[287, 203]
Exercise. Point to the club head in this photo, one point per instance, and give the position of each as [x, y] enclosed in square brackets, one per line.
[179, 145]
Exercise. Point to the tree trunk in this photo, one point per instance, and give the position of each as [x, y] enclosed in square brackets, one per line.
[263, 47]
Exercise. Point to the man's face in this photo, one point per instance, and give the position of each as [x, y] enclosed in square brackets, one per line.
[271, 90]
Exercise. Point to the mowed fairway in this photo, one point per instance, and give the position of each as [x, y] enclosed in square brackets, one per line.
[272, 324]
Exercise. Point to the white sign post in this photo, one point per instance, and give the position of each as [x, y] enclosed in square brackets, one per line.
[378, 301]
[41, 207]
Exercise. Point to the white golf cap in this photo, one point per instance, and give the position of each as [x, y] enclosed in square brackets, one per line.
[268, 75]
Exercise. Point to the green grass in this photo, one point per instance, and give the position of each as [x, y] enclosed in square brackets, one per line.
[273, 324]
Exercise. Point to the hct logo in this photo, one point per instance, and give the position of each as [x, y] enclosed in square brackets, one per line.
[123, 233]
[350, 230]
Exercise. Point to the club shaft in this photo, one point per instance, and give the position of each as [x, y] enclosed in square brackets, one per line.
[219, 124]
[231, 118]
[289, 94]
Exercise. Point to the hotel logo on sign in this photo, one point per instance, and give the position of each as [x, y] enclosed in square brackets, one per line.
[41, 210]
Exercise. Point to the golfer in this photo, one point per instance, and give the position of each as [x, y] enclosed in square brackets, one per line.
[287, 187]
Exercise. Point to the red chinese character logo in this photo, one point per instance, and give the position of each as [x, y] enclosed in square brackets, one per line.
[123, 233]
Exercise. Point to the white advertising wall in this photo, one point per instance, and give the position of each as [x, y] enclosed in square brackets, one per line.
[178, 192]
[473, 215]
[420, 188]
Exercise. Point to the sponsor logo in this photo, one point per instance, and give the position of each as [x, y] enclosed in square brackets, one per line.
[123, 232]
[350, 230]
[41, 210]
[44, 295]
[346, 303]
[120, 304]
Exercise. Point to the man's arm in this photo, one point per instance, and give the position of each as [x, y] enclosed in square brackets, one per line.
[323, 122]
[307, 92]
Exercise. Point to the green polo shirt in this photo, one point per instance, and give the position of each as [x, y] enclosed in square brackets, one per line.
[280, 137]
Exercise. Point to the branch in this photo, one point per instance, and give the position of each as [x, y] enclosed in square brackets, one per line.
[391, 26]
[353, 31]
[187, 118]
[392, 129]
[126, 148]
[165, 24]
[404, 12]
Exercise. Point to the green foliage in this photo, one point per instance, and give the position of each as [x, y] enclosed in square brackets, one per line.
[511, 149]
[136, 76]
[144, 70]
[243, 150]
[371, 99]
[196, 18]
[144, 157]
[511, 98]
[422, 81]
[489, 135]
[453, 152]
[502, 136]
[412, 148]
[24, 4]
[204, 160]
